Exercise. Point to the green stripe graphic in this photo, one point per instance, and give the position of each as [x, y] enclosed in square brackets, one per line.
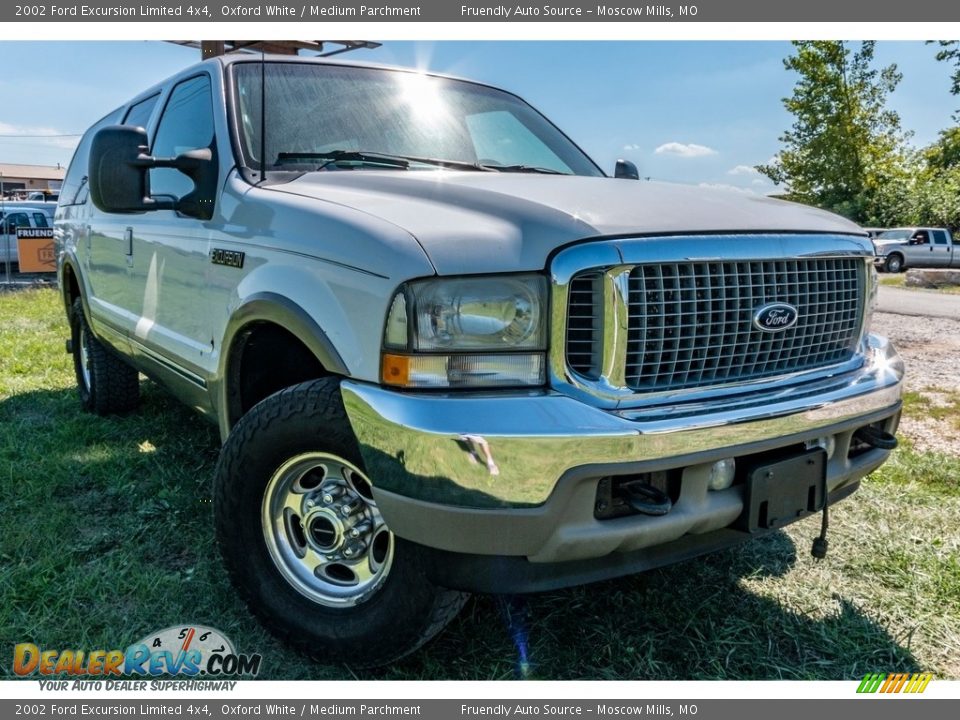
[871, 682]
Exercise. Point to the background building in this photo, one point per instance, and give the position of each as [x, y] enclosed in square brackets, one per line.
[19, 179]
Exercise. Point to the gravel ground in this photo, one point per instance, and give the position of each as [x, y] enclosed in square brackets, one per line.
[930, 348]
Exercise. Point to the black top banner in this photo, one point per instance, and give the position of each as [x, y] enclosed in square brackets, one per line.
[453, 11]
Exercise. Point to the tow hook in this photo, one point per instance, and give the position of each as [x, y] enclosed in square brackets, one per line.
[647, 499]
[875, 437]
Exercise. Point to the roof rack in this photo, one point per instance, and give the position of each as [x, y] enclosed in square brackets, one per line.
[215, 48]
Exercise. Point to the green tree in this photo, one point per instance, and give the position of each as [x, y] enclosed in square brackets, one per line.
[845, 150]
[936, 199]
[936, 196]
[945, 152]
[950, 52]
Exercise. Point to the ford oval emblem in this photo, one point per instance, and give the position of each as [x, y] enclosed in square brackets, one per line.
[775, 317]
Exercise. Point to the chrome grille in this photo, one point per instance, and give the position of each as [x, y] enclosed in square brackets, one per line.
[585, 324]
[691, 323]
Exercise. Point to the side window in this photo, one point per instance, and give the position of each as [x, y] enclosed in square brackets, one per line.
[40, 220]
[139, 115]
[186, 124]
[920, 238]
[940, 237]
[15, 220]
[76, 178]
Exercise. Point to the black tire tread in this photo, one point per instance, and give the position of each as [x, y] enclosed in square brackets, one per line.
[320, 398]
[114, 385]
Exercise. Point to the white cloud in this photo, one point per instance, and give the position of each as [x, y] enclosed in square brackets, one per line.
[758, 181]
[31, 133]
[743, 170]
[632, 146]
[685, 150]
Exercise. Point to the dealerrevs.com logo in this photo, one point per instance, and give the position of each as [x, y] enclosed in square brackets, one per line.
[192, 650]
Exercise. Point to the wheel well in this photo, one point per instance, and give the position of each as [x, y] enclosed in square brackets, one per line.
[71, 286]
[264, 358]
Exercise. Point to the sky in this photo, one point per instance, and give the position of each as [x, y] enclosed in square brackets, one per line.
[694, 112]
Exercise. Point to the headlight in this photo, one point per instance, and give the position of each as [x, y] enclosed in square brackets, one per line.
[485, 331]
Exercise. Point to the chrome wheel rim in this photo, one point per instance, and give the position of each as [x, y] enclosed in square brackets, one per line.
[323, 530]
[84, 359]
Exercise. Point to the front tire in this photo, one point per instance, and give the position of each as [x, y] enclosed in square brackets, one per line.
[894, 263]
[106, 384]
[304, 542]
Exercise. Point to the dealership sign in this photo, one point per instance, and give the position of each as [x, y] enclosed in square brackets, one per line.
[36, 250]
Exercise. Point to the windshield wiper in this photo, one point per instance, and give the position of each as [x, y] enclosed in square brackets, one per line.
[525, 169]
[452, 164]
[332, 157]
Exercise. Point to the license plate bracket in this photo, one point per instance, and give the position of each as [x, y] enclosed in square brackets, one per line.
[780, 492]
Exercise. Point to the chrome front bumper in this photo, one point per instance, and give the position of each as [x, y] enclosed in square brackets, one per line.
[505, 465]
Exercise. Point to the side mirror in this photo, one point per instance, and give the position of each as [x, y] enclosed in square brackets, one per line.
[626, 170]
[201, 167]
[118, 179]
[117, 173]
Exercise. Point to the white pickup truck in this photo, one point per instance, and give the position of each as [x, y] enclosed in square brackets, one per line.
[916, 247]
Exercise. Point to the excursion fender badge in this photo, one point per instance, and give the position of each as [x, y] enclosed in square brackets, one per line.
[230, 258]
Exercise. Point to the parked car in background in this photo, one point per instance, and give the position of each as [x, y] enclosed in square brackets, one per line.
[33, 214]
[915, 247]
[43, 196]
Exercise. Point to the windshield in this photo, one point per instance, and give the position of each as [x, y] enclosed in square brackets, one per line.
[319, 112]
[894, 235]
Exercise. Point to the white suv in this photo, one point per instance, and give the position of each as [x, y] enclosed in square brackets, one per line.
[447, 353]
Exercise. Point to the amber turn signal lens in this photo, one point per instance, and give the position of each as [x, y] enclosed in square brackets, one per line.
[395, 369]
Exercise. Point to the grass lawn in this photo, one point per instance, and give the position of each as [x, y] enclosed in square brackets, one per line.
[106, 535]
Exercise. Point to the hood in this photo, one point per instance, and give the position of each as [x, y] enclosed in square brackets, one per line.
[473, 222]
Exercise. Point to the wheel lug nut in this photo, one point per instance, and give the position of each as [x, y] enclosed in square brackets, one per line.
[348, 509]
[354, 549]
[360, 529]
[331, 494]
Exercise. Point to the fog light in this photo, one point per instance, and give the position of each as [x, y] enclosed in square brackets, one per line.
[722, 473]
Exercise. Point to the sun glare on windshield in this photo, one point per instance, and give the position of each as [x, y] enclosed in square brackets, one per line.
[422, 96]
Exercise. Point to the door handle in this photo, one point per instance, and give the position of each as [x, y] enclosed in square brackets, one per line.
[128, 241]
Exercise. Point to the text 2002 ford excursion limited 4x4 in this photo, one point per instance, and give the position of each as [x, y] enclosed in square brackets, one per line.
[446, 353]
